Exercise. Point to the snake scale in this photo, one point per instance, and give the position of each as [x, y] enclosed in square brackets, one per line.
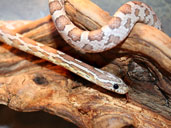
[99, 40]
[109, 35]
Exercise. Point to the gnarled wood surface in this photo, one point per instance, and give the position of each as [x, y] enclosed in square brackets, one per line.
[143, 60]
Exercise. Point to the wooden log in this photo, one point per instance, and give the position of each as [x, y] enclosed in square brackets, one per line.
[30, 84]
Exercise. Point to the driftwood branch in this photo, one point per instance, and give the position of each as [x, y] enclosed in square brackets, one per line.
[143, 60]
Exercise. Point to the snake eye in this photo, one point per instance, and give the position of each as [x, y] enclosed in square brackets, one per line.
[115, 86]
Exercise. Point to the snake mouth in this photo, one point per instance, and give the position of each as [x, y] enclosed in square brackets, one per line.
[122, 90]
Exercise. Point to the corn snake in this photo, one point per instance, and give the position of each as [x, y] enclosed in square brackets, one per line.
[94, 41]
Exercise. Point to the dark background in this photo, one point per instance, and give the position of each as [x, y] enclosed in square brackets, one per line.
[34, 9]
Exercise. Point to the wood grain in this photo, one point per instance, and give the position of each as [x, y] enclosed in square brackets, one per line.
[142, 60]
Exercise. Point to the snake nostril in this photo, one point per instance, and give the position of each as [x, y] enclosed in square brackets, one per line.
[115, 86]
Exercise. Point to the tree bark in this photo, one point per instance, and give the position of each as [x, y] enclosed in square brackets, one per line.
[143, 61]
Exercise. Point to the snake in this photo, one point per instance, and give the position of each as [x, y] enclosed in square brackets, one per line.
[94, 41]
[95, 75]
[109, 35]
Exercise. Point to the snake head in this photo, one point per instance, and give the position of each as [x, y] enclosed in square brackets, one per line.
[116, 85]
[120, 87]
[111, 82]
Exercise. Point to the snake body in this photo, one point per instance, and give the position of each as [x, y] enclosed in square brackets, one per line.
[99, 40]
[109, 35]
[95, 75]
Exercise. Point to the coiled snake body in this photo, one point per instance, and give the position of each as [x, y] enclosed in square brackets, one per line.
[99, 40]
[109, 35]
